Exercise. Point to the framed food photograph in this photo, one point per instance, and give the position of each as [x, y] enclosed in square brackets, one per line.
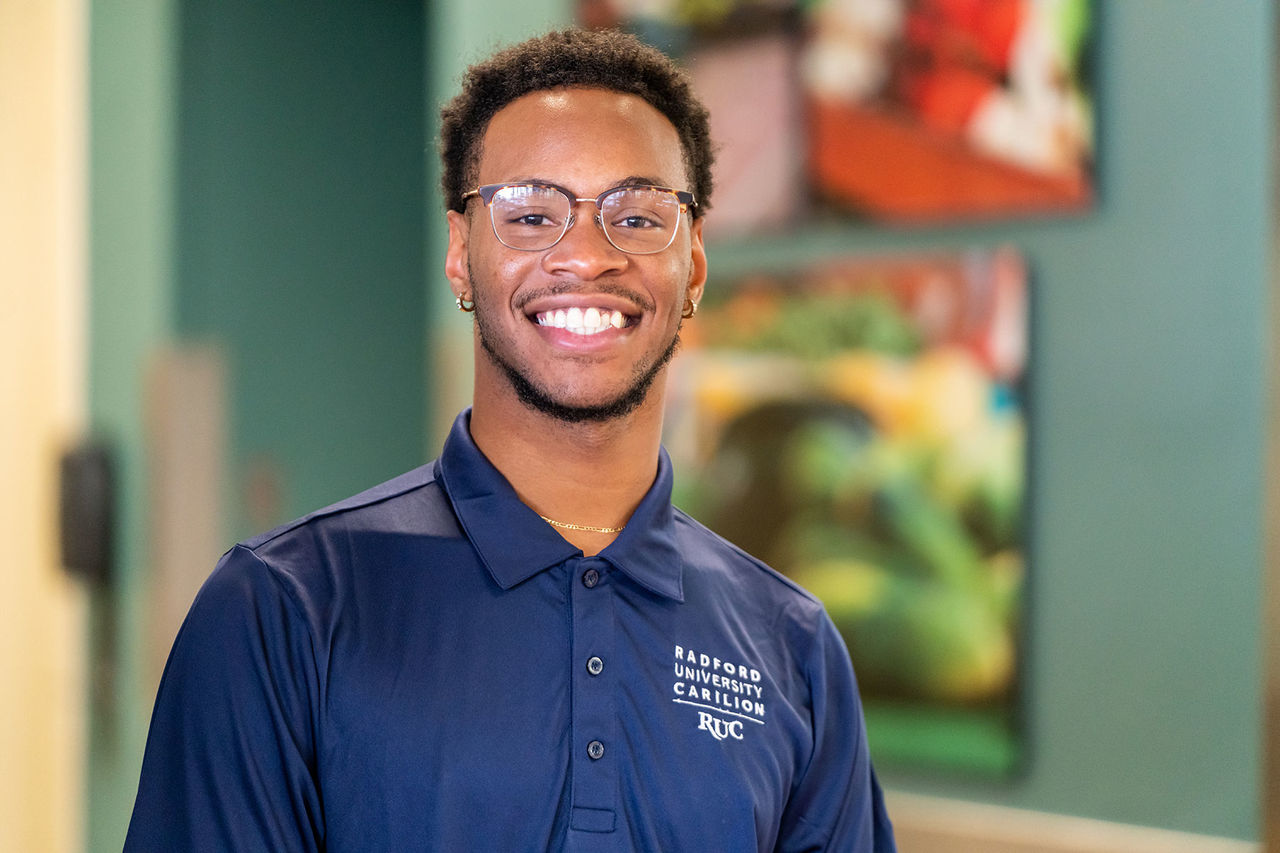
[902, 112]
[860, 426]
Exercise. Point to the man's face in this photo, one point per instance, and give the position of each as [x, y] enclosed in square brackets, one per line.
[588, 141]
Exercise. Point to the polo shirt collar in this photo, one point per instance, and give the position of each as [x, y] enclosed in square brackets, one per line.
[494, 518]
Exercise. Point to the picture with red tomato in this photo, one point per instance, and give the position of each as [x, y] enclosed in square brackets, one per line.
[907, 112]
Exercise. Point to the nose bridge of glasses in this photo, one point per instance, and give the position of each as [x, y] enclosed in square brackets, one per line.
[572, 218]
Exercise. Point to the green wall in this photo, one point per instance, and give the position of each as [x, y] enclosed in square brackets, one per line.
[1147, 400]
[257, 182]
[131, 206]
[300, 186]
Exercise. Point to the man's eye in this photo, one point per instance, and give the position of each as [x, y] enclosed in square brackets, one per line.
[638, 221]
[530, 219]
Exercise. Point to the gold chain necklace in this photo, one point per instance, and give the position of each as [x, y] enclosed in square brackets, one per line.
[585, 527]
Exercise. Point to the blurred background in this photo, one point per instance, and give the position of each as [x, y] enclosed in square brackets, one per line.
[221, 307]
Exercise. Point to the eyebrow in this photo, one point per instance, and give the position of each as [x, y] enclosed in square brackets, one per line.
[640, 181]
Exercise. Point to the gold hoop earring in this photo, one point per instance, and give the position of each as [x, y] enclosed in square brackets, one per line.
[465, 305]
[690, 308]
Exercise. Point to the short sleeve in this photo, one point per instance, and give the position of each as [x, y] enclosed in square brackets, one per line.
[836, 804]
[230, 755]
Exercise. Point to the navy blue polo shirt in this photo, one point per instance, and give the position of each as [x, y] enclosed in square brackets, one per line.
[430, 666]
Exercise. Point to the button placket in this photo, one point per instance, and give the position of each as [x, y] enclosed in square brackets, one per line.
[594, 766]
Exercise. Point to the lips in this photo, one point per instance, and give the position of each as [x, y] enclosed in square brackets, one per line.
[582, 321]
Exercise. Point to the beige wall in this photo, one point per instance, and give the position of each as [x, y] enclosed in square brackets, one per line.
[932, 825]
[42, 341]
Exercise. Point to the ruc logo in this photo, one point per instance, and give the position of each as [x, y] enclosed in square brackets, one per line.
[720, 729]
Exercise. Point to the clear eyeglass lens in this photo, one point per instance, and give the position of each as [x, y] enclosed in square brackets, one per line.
[640, 220]
[528, 216]
[635, 219]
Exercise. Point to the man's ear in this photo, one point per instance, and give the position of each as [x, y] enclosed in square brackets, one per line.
[698, 268]
[455, 259]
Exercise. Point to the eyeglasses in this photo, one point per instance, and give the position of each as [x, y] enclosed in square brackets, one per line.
[638, 220]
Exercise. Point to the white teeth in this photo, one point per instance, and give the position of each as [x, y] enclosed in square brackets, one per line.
[579, 321]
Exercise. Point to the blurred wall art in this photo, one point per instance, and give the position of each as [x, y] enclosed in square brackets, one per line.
[860, 426]
[897, 111]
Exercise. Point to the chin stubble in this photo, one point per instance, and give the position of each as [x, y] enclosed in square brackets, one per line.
[541, 401]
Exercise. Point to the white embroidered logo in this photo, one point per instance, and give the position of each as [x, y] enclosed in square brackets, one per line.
[720, 729]
[726, 688]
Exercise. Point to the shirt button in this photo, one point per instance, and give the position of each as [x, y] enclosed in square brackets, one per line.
[590, 578]
[595, 666]
[595, 750]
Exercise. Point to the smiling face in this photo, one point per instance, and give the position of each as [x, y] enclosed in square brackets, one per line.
[582, 330]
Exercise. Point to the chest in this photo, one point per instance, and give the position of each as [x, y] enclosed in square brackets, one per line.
[591, 716]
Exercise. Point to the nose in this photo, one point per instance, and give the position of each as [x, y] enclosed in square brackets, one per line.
[584, 251]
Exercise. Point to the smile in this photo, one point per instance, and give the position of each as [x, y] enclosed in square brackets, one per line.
[582, 321]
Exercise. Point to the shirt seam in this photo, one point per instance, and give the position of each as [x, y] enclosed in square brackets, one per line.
[340, 508]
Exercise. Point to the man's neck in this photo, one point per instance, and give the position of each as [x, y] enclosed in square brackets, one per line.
[589, 474]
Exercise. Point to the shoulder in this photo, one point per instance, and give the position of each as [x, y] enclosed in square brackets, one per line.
[412, 503]
[713, 551]
[309, 560]
[710, 558]
[385, 502]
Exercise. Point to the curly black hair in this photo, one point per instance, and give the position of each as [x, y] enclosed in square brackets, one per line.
[600, 59]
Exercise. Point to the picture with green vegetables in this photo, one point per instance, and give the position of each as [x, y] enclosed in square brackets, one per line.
[861, 427]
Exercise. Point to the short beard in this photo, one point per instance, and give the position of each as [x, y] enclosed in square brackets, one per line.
[540, 401]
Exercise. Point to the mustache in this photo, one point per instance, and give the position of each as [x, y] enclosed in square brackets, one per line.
[612, 289]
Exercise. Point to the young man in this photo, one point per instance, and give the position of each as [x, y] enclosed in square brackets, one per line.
[523, 646]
